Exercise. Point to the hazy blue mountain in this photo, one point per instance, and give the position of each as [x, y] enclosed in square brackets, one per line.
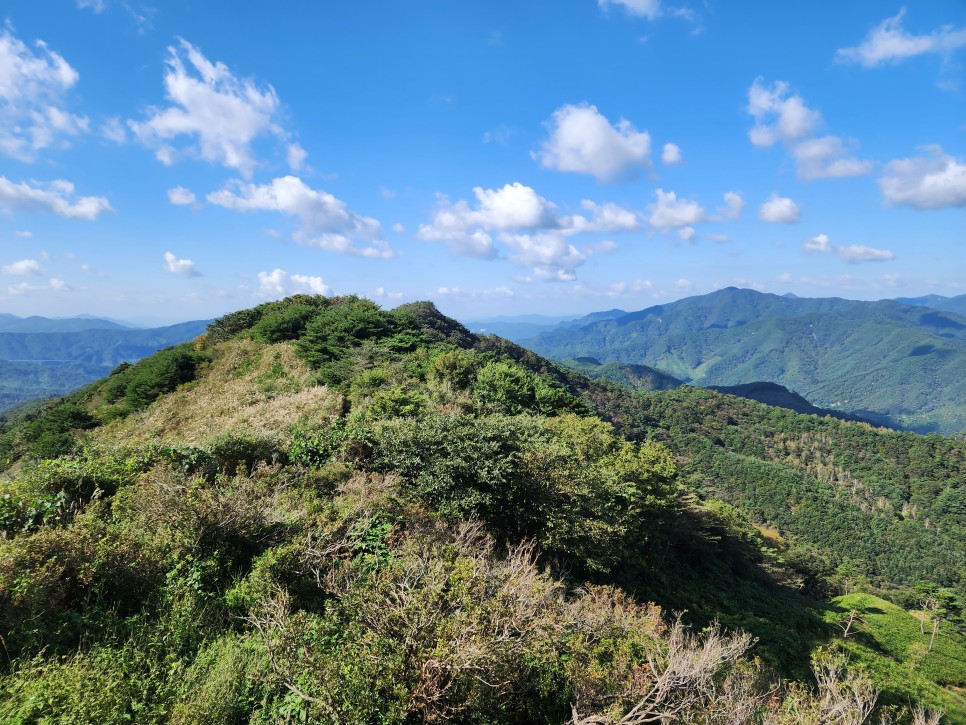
[34, 323]
[521, 327]
[48, 364]
[884, 361]
[938, 302]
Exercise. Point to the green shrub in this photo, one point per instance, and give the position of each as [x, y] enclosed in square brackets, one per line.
[396, 402]
[51, 435]
[142, 383]
[284, 324]
[505, 387]
[243, 450]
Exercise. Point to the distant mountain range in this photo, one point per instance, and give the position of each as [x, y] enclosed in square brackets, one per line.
[889, 362]
[938, 302]
[521, 327]
[42, 357]
[12, 323]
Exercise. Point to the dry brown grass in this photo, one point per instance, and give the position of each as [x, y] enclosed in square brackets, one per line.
[247, 387]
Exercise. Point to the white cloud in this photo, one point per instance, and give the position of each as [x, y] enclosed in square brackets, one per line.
[607, 217]
[24, 234]
[860, 253]
[180, 196]
[324, 221]
[216, 115]
[687, 234]
[889, 42]
[780, 210]
[549, 254]
[55, 197]
[583, 141]
[515, 206]
[22, 268]
[526, 224]
[512, 208]
[398, 228]
[500, 135]
[819, 243]
[783, 117]
[720, 238]
[381, 292]
[113, 129]
[925, 182]
[180, 267]
[671, 154]
[279, 283]
[295, 155]
[734, 205]
[852, 254]
[669, 212]
[649, 9]
[33, 86]
[25, 288]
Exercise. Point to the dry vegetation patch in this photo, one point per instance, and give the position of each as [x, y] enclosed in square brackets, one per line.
[261, 389]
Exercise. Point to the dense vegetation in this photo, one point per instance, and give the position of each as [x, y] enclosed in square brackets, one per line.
[893, 364]
[321, 511]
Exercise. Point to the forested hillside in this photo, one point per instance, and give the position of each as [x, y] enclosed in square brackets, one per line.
[899, 365]
[320, 511]
[54, 357]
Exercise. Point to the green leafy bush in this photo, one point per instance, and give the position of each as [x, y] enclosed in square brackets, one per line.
[143, 383]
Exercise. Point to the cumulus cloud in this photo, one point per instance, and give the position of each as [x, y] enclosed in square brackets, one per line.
[279, 283]
[528, 226]
[932, 181]
[56, 197]
[22, 268]
[852, 253]
[780, 210]
[889, 42]
[669, 212]
[649, 9]
[213, 115]
[323, 220]
[607, 218]
[180, 196]
[33, 87]
[782, 117]
[180, 267]
[734, 205]
[671, 154]
[583, 141]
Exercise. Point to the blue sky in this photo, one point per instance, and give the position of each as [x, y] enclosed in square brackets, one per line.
[182, 159]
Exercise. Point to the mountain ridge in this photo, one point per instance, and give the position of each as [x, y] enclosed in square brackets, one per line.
[895, 364]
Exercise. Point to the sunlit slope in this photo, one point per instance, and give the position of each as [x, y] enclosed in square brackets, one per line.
[887, 362]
